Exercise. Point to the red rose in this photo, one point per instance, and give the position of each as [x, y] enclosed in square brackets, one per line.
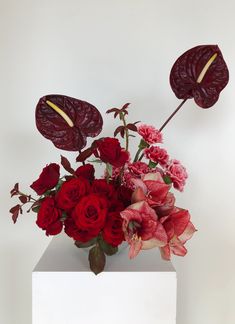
[48, 179]
[54, 228]
[77, 234]
[109, 151]
[86, 171]
[71, 192]
[124, 195]
[112, 232]
[100, 186]
[49, 217]
[115, 205]
[90, 213]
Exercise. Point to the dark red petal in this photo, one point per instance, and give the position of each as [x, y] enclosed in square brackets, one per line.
[186, 70]
[87, 122]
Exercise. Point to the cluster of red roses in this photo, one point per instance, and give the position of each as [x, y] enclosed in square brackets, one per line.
[85, 206]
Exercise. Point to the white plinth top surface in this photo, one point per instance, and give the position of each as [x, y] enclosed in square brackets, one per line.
[63, 255]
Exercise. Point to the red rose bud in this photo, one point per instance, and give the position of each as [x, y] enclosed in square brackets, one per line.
[71, 192]
[112, 232]
[47, 180]
[48, 217]
[90, 213]
[200, 73]
[86, 171]
[109, 151]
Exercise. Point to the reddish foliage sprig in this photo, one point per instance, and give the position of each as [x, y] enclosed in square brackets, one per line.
[123, 129]
[24, 199]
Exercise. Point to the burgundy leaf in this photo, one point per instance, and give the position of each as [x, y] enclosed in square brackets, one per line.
[112, 110]
[118, 130]
[23, 199]
[15, 190]
[83, 120]
[200, 73]
[125, 106]
[85, 154]
[132, 127]
[15, 212]
[122, 132]
[15, 216]
[116, 113]
[66, 164]
[13, 209]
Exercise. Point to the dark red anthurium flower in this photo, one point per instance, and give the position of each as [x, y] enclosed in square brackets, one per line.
[200, 73]
[67, 121]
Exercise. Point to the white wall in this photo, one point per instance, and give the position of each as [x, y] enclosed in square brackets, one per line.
[108, 53]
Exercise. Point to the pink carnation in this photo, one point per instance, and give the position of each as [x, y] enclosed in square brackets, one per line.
[157, 155]
[177, 172]
[150, 134]
[138, 168]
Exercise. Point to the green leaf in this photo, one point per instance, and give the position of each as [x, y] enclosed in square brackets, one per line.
[152, 164]
[167, 179]
[96, 259]
[36, 209]
[86, 244]
[107, 248]
[109, 169]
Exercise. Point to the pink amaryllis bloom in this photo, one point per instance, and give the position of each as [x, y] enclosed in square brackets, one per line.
[179, 230]
[142, 229]
[150, 188]
[178, 174]
[150, 134]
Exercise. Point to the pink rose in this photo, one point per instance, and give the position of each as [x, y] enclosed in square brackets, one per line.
[179, 229]
[150, 134]
[177, 172]
[157, 155]
[142, 228]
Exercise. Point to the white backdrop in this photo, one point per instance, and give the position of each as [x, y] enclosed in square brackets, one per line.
[108, 53]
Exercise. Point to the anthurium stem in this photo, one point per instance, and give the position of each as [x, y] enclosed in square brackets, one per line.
[137, 158]
[172, 115]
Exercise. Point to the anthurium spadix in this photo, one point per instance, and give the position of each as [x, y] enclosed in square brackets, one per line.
[200, 73]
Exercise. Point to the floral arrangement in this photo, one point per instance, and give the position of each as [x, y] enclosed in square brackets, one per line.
[133, 201]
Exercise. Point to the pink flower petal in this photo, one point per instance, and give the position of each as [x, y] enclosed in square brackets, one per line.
[150, 244]
[178, 249]
[135, 247]
[161, 234]
[157, 192]
[188, 233]
[166, 252]
[180, 220]
[138, 195]
[154, 176]
[169, 228]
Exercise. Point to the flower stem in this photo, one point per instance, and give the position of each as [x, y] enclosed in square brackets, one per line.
[126, 130]
[172, 115]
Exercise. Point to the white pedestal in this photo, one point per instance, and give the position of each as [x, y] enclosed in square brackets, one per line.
[139, 291]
